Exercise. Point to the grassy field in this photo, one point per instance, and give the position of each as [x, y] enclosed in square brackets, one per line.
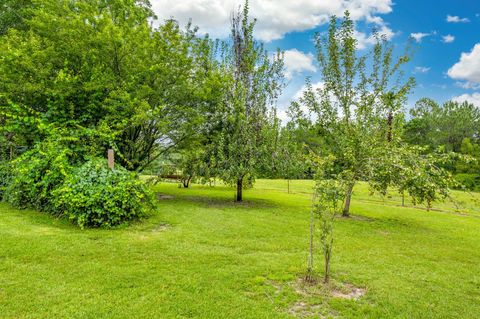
[203, 256]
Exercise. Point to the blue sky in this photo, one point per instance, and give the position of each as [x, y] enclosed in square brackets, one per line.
[447, 32]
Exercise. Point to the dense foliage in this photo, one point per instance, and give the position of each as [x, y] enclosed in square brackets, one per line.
[453, 127]
[255, 80]
[357, 113]
[97, 196]
[46, 178]
[101, 65]
[36, 174]
[79, 77]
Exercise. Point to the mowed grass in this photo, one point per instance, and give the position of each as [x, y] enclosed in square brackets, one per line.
[203, 256]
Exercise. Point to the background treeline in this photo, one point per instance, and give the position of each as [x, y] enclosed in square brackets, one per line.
[453, 127]
[80, 77]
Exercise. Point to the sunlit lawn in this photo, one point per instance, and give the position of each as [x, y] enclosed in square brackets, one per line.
[203, 256]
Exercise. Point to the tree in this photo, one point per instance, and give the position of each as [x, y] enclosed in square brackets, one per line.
[254, 83]
[357, 109]
[13, 14]
[328, 195]
[100, 65]
[410, 170]
[447, 125]
[287, 160]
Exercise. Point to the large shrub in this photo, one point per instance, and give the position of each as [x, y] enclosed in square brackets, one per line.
[30, 179]
[96, 196]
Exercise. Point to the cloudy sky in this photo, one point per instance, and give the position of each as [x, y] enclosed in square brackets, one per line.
[446, 32]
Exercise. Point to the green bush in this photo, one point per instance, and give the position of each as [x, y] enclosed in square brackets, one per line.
[469, 181]
[5, 176]
[32, 177]
[96, 196]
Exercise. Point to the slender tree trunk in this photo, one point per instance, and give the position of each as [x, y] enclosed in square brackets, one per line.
[390, 127]
[403, 198]
[240, 189]
[310, 250]
[326, 278]
[288, 181]
[348, 199]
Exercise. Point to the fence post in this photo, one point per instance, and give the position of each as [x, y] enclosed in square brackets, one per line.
[111, 159]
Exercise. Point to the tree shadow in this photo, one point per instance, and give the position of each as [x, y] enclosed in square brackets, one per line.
[226, 203]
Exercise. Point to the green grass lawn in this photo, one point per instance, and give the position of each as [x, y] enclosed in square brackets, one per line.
[203, 256]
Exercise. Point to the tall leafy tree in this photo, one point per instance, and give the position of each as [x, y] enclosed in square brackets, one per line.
[357, 109]
[100, 65]
[255, 81]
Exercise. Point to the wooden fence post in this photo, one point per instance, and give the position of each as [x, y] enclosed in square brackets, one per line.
[111, 159]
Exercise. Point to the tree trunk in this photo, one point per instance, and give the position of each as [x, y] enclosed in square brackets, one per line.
[310, 275]
[326, 278]
[239, 189]
[390, 127]
[288, 181]
[348, 199]
[403, 198]
[186, 181]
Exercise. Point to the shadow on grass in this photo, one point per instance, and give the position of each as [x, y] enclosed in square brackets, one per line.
[226, 203]
[384, 222]
[215, 201]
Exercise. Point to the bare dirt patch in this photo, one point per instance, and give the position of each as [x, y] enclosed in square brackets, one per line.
[349, 292]
[307, 289]
[314, 296]
[160, 228]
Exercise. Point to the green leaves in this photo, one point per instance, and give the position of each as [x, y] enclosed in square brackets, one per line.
[34, 175]
[240, 125]
[45, 178]
[101, 65]
[356, 113]
[96, 196]
[446, 125]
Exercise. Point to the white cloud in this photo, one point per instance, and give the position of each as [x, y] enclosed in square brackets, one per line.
[421, 69]
[448, 38]
[297, 62]
[275, 17]
[283, 116]
[419, 36]
[473, 98]
[363, 40]
[456, 19]
[468, 68]
[315, 87]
